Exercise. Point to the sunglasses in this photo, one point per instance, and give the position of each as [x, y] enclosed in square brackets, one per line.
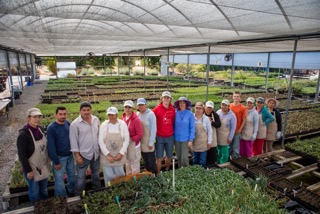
[260, 102]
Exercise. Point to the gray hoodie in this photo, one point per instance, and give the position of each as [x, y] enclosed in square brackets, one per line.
[151, 124]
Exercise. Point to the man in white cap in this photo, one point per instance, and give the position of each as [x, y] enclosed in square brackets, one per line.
[226, 131]
[113, 143]
[165, 114]
[149, 123]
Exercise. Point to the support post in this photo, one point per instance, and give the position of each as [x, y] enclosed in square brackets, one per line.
[232, 72]
[188, 72]
[144, 68]
[208, 68]
[316, 96]
[168, 69]
[289, 92]
[267, 73]
[110, 59]
[118, 65]
[10, 78]
[129, 64]
[19, 65]
[104, 63]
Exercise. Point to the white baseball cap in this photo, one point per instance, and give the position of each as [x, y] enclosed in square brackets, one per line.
[250, 99]
[112, 110]
[166, 94]
[210, 104]
[34, 112]
[225, 102]
[128, 103]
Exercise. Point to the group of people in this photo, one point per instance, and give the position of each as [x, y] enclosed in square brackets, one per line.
[213, 137]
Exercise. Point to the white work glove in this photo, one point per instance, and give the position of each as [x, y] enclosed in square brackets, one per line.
[278, 135]
[254, 136]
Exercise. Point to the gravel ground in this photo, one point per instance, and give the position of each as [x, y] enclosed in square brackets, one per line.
[9, 130]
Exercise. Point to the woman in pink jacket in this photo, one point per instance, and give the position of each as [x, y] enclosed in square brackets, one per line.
[136, 134]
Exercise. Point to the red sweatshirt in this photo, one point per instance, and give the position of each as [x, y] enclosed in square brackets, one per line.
[135, 127]
[165, 120]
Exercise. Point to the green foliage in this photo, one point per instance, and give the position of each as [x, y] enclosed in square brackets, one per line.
[310, 147]
[51, 64]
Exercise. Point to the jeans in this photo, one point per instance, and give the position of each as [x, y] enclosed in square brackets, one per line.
[149, 161]
[111, 172]
[37, 190]
[200, 158]
[234, 148]
[67, 165]
[81, 174]
[164, 143]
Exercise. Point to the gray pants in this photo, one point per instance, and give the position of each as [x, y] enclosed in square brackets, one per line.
[182, 151]
[111, 172]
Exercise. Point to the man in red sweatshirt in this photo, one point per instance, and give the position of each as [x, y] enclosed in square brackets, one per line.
[165, 114]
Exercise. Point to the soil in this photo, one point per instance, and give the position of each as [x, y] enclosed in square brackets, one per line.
[282, 184]
[242, 162]
[257, 171]
[308, 198]
[307, 179]
[54, 205]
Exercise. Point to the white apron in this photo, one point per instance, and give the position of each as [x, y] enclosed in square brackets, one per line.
[201, 139]
[223, 133]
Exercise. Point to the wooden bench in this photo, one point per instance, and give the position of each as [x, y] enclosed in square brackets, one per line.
[4, 108]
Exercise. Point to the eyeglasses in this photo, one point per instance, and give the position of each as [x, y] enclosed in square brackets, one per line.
[128, 107]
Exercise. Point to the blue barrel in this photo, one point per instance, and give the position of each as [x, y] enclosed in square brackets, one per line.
[29, 83]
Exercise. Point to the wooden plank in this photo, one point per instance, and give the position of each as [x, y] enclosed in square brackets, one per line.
[314, 187]
[268, 154]
[31, 208]
[308, 134]
[316, 174]
[302, 171]
[297, 164]
[289, 159]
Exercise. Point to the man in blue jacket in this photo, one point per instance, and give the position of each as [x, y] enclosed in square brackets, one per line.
[60, 154]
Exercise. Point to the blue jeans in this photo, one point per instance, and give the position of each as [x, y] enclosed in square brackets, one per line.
[164, 143]
[67, 165]
[200, 158]
[37, 190]
[81, 174]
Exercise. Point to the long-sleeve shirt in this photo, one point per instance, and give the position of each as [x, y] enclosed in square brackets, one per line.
[184, 126]
[113, 128]
[134, 127]
[231, 121]
[277, 114]
[216, 123]
[84, 137]
[206, 125]
[255, 119]
[25, 146]
[267, 117]
[151, 124]
[58, 141]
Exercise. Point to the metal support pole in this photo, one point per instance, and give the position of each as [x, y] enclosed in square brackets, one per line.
[267, 73]
[19, 65]
[129, 64]
[168, 69]
[104, 63]
[118, 65]
[289, 91]
[172, 64]
[232, 72]
[188, 72]
[110, 65]
[10, 78]
[31, 63]
[26, 64]
[208, 68]
[316, 96]
[144, 69]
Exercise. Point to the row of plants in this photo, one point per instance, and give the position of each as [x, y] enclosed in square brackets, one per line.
[196, 189]
[309, 147]
[302, 122]
[298, 104]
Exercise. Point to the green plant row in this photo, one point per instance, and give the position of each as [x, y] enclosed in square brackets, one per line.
[196, 191]
[310, 147]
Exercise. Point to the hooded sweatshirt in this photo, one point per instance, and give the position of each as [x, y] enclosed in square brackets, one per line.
[267, 117]
[165, 120]
[151, 124]
[231, 121]
[135, 127]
